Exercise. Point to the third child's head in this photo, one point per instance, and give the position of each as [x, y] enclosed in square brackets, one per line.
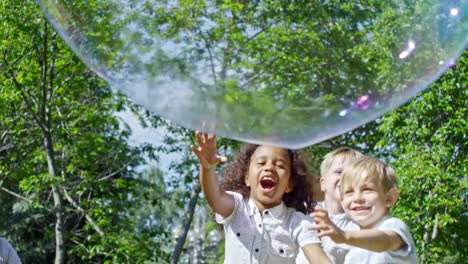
[331, 168]
[368, 190]
[270, 175]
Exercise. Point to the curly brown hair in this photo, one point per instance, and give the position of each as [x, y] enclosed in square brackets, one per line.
[299, 198]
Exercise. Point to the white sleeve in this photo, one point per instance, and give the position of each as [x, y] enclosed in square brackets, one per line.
[342, 221]
[238, 199]
[399, 227]
[306, 236]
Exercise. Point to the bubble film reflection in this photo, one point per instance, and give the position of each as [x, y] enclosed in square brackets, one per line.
[263, 72]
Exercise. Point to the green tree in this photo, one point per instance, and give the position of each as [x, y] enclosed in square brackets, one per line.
[429, 148]
[66, 168]
[272, 53]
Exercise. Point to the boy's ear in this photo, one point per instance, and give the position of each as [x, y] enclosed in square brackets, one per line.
[392, 196]
[321, 184]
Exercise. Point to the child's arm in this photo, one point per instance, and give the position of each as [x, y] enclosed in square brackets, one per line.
[370, 239]
[221, 202]
[315, 254]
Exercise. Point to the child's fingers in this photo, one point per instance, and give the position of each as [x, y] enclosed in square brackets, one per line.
[320, 209]
[197, 137]
[322, 230]
[324, 233]
[321, 215]
[195, 150]
[210, 136]
[318, 220]
[318, 227]
[316, 214]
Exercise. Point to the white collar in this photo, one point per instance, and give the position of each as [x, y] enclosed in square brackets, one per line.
[277, 212]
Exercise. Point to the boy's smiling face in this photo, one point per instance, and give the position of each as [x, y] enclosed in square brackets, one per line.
[365, 201]
[269, 176]
[329, 182]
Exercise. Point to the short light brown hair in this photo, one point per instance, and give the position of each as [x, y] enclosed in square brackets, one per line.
[348, 154]
[369, 167]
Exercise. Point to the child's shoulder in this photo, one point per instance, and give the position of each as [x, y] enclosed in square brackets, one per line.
[389, 221]
[297, 216]
[344, 222]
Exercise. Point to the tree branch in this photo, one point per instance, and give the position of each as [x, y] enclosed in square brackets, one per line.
[15, 194]
[78, 207]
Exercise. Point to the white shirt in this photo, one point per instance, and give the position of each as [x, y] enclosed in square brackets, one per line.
[335, 252]
[405, 255]
[7, 253]
[272, 238]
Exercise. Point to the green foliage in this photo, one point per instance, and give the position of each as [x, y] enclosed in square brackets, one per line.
[53, 97]
[425, 140]
[428, 136]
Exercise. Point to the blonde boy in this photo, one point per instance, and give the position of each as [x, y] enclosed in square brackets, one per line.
[330, 175]
[330, 171]
[368, 190]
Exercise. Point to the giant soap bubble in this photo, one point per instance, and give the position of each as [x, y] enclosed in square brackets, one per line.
[288, 73]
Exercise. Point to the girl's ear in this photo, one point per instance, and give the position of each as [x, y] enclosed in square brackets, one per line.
[392, 196]
[290, 187]
[246, 180]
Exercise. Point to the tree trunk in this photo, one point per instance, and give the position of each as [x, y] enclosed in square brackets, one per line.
[187, 221]
[57, 197]
[47, 62]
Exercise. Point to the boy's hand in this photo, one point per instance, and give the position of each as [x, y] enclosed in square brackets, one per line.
[325, 226]
[206, 151]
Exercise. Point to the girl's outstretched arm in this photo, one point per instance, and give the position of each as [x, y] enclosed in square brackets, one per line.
[206, 151]
[315, 254]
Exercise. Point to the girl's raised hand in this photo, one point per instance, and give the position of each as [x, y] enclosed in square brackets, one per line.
[206, 150]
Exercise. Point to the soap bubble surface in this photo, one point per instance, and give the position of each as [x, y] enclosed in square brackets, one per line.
[267, 72]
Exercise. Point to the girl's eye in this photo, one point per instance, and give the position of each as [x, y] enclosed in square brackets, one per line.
[280, 165]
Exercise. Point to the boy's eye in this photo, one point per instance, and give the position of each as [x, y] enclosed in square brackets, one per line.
[368, 187]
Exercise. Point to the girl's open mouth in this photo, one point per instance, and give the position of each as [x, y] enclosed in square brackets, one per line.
[267, 183]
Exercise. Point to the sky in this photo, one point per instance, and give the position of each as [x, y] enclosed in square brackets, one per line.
[140, 135]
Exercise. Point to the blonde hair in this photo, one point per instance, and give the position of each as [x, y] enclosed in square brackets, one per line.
[372, 168]
[348, 154]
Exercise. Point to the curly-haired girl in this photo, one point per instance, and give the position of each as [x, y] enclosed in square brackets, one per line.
[261, 203]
